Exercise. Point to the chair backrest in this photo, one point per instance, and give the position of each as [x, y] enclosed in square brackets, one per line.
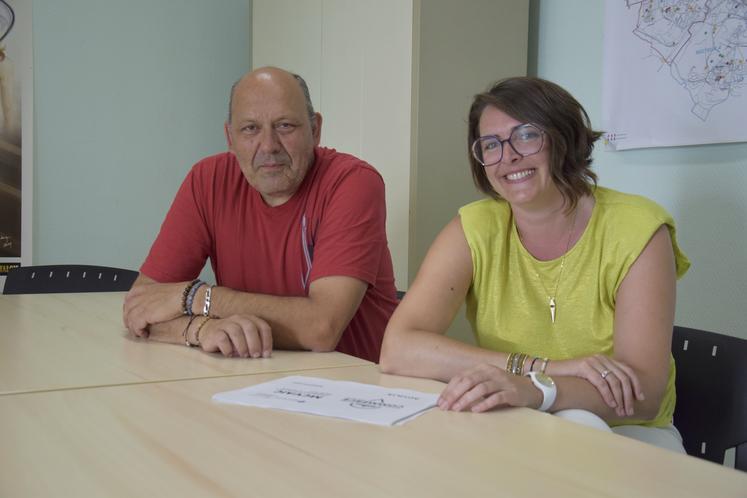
[67, 278]
[711, 412]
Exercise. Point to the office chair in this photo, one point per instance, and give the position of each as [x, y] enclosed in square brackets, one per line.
[67, 278]
[711, 412]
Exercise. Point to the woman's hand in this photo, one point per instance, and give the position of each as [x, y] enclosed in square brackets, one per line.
[616, 382]
[486, 386]
[247, 336]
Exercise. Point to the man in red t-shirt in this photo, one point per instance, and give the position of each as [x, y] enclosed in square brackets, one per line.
[295, 234]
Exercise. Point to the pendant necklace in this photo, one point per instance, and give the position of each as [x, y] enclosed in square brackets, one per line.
[551, 302]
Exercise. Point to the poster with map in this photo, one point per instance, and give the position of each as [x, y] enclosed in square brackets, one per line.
[675, 72]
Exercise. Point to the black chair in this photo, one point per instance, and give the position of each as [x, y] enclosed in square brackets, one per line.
[711, 412]
[67, 278]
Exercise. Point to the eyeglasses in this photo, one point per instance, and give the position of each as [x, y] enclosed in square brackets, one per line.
[525, 139]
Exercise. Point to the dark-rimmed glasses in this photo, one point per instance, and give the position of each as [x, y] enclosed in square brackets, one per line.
[525, 139]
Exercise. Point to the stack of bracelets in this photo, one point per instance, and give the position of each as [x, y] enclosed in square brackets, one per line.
[516, 361]
[188, 298]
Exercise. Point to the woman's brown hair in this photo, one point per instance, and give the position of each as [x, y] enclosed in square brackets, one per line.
[567, 128]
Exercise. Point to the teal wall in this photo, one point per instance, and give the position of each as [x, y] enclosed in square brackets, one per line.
[127, 96]
[704, 187]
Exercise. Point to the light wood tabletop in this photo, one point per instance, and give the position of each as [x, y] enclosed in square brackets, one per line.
[170, 439]
[64, 341]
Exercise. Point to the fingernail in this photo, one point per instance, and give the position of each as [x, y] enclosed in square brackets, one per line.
[255, 355]
[641, 396]
[265, 354]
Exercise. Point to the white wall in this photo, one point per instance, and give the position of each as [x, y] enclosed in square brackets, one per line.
[336, 45]
[704, 187]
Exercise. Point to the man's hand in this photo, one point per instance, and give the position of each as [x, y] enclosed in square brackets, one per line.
[247, 336]
[148, 303]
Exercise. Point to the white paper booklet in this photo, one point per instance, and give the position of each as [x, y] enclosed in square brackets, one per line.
[339, 399]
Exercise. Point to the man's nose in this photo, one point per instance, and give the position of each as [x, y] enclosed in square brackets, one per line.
[268, 141]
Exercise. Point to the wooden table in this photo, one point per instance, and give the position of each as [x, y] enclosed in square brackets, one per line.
[68, 341]
[170, 439]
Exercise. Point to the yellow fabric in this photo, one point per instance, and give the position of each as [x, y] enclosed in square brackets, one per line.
[507, 306]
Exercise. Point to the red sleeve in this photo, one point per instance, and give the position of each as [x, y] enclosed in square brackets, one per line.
[182, 246]
[351, 237]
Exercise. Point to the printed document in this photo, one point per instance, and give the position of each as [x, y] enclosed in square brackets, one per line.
[339, 399]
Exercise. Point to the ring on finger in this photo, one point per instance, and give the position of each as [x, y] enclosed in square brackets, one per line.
[605, 374]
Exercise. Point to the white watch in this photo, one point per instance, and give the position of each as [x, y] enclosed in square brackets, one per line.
[545, 384]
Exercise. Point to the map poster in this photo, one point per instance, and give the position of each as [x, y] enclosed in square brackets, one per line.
[675, 72]
[16, 84]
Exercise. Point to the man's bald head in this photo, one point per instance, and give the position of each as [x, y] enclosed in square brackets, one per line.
[270, 73]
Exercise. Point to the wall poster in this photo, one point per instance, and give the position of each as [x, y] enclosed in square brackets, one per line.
[675, 73]
[16, 141]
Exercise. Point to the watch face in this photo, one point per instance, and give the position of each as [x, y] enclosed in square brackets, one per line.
[544, 380]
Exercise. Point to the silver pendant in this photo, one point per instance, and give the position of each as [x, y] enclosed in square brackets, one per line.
[552, 309]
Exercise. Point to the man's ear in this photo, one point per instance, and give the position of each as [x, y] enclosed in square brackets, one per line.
[316, 128]
[227, 131]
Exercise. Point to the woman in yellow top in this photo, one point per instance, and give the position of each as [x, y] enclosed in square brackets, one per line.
[570, 287]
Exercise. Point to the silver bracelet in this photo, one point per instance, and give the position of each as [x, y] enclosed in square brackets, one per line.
[206, 308]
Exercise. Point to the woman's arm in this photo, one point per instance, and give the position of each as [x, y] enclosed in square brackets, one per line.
[644, 314]
[414, 342]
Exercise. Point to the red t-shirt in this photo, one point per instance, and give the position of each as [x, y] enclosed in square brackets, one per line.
[334, 225]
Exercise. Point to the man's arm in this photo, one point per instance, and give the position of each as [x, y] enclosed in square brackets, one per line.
[313, 323]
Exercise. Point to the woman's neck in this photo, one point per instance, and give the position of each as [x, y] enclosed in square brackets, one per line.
[549, 232]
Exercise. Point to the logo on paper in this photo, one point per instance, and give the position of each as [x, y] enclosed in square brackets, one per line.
[301, 394]
[368, 404]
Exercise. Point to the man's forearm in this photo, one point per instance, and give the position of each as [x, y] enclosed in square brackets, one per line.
[313, 323]
[294, 322]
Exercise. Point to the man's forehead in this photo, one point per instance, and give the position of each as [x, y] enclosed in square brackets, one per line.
[265, 93]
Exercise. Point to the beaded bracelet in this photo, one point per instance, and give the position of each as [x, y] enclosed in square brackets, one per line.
[191, 296]
[185, 293]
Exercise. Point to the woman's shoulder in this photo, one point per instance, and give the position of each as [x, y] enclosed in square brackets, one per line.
[632, 208]
[486, 208]
[484, 220]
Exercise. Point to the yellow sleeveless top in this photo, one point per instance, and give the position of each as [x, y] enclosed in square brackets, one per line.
[507, 305]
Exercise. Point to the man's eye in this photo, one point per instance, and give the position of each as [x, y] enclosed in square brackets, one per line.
[249, 128]
[285, 126]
